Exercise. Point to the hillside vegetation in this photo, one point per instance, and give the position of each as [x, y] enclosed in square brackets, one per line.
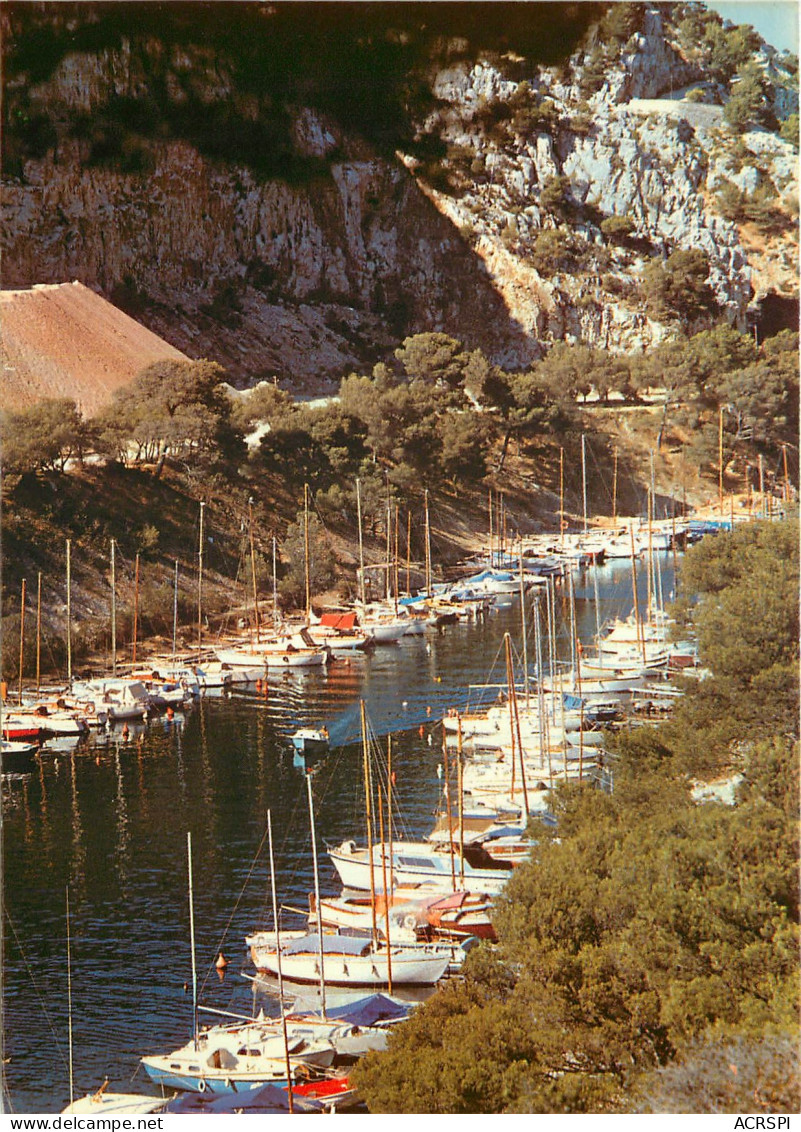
[440, 419]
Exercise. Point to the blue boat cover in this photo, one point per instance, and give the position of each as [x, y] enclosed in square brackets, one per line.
[332, 945]
[572, 703]
[505, 831]
[367, 1011]
[264, 1098]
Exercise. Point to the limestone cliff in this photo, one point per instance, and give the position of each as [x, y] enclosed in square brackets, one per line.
[312, 272]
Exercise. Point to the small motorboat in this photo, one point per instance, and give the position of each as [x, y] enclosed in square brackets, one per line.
[232, 1059]
[17, 758]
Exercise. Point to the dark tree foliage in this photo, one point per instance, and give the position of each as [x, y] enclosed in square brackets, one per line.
[679, 288]
[745, 586]
[749, 102]
[173, 408]
[43, 437]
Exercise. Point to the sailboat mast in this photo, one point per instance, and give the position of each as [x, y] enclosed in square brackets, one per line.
[584, 477]
[200, 583]
[395, 562]
[368, 814]
[306, 569]
[561, 497]
[278, 960]
[614, 488]
[428, 549]
[388, 567]
[460, 755]
[113, 609]
[275, 581]
[510, 679]
[489, 496]
[523, 626]
[408, 552]
[448, 811]
[720, 461]
[574, 632]
[543, 727]
[516, 722]
[390, 784]
[253, 568]
[69, 614]
[192, 936]
[38, 631]
[640, 634]
[650, 598]
[317, 893]
[387, 897]
[21, 638]
[175, 612]
[361, 539]
[136, 611]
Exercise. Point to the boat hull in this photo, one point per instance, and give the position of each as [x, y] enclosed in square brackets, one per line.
[350, 970]
[217, 1084]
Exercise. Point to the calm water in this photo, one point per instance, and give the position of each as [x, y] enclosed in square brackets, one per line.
[109, 820]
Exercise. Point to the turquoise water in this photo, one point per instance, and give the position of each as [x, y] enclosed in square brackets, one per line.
[109, 820]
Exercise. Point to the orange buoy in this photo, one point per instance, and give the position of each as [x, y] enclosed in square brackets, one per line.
[221, 963]
[421, 731]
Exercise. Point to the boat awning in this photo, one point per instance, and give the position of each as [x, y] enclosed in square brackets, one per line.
[338, 620]
[332, 944]
[267, 1098]
[367, 1011]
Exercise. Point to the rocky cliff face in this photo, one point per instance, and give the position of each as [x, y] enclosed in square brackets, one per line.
[311, 277]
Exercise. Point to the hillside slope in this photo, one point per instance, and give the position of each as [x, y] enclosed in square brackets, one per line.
[67, 341]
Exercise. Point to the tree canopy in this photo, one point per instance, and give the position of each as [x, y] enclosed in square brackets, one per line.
[173, 407]
[43, 437]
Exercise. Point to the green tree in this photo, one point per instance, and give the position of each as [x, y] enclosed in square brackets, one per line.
[745, 588]
[553, 251]
[618, 229]
[433, 357]
[679, 288]
[555, 197]
[749, 101]
[43, 437]
[264, 402]
[175, 407]
[789, 129]
[464, 440]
